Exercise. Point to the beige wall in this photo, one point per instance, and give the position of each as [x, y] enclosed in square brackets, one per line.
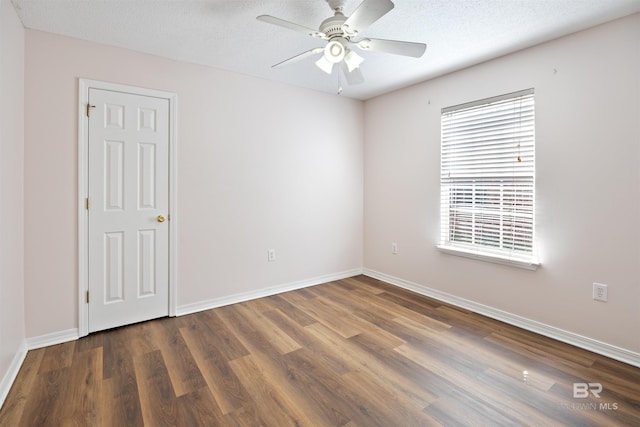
[587, 90]
[12, 326]
[260, 165]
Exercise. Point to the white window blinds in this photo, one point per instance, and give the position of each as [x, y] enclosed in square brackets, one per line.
[487, 177]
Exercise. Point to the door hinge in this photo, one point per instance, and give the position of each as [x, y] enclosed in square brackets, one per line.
[87, 203]
[87, 297]
[89, 107]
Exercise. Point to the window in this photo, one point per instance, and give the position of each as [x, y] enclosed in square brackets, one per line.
[487, 179]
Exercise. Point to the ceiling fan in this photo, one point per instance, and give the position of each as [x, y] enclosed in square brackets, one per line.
[340, 31]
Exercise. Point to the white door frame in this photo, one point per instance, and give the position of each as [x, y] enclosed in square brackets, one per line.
[83, 190]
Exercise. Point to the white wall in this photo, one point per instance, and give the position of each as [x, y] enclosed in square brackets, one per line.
[260, 165]
[587, 90]
[12, 324]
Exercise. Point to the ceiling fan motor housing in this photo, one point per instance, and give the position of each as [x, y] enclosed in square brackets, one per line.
[332, 26]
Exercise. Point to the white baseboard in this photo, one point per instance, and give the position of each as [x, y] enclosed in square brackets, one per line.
[599, 347]
[52, 339]
[12, 372]
[260, 293]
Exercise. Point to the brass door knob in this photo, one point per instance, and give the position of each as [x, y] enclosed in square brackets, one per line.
[161, 218]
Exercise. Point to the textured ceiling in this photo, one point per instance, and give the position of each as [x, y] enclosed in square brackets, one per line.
[225, 34]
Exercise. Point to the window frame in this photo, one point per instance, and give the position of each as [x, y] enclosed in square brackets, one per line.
[496, 190]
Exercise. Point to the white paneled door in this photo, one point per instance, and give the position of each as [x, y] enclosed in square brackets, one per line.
[128, 208]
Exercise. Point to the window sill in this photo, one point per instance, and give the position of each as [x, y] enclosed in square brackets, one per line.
[528, 264]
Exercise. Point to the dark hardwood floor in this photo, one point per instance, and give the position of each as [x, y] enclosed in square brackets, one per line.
[356, 352]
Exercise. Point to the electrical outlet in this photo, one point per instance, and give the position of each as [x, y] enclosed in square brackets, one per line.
[600, 292]
[394, 248]
[271, 255]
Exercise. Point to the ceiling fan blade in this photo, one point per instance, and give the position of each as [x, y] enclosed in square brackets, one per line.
[354, 77]
[396, 47]
[366, 14]
[299, 57]
[292, 26]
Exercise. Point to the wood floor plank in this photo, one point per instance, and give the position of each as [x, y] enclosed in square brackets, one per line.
[262, 324]
[552, 348]
[259, 305]
[539, 354]
[391, 310]
[393, 327]
[407, 299]
[278, 369]
[307, 380]
[379, 370]
[223, 384]
[44, 404]
[300, 334]
[421, 323]
[157, 397]
[198, 408]
[84, 391]
[346, 401]
[335, 292]
[219, 335]
[57, 357]
[353, 352]
[90, 342]
[13, 408]
[484, 354]
[117, 357]
[368, 284]
[351, 318]
[121, 402]
[325, 313]
[289, 326]
[441, 365]
[465, 320]
[304, 293]
[292, 311]
[461, 410]
[181, 366]
[388, 400]
[416, 382]
[142, 335]
[275, 408]
[246, 416]
[469, 382]
[213, 338]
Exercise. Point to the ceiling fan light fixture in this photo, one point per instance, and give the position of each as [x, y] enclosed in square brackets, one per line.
[334, 51]
[353, 60]
[324, 64]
